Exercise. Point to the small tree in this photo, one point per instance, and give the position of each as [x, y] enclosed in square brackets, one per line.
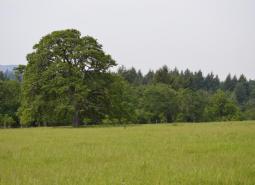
[191, 105]
[121, 97]
[160, 101]
[222, 108]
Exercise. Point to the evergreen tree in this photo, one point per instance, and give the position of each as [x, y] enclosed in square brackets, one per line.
[148, 78]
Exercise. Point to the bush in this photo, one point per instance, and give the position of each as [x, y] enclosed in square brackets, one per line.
[6, 121]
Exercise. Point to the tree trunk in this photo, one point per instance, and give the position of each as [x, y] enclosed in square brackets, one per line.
[76, 119]
[120, 121]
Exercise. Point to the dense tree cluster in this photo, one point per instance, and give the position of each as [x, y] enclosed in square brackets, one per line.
[68, 81]
[9, 102]
[198, 97]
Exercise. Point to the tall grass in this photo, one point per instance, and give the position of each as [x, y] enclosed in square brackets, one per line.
[185, 154]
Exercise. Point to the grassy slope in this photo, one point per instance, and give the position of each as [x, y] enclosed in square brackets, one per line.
[218, 153]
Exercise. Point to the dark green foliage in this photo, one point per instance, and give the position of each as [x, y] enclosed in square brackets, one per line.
[191, 105]
[162, 76]
[9, 100]
[131, 75]
[2, 77]
[249, 112]
[19, 71]
[148, 78]
[230, 83]
[122, 102]
[222, 108]
[7, 121]
[212, 83]
[160, 103]
[241, 90]
[197, 81]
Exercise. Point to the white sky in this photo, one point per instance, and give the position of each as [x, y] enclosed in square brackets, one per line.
[211, 35]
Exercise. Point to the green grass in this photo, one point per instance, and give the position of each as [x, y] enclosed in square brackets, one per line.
[185, 154]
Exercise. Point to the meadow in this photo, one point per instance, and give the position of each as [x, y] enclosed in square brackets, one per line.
[162, 154]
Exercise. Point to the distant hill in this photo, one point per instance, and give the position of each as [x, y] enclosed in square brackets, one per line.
[8, 70]
[5, 68]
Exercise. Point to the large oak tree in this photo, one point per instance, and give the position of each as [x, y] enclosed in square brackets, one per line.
[65, 77]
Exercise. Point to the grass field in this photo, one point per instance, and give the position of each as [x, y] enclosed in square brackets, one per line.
[185, 154]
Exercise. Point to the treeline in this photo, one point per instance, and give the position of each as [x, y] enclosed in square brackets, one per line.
[68, 81]
[186, 96]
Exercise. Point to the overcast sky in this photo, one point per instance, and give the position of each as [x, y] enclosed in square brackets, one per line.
[212, 35]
